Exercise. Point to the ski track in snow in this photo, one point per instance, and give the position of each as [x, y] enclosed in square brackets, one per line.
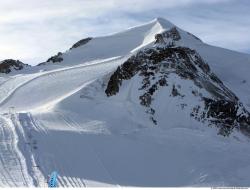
[13, 167]
[11, 86]
[49, 161]
[30, 149]
[14, 171]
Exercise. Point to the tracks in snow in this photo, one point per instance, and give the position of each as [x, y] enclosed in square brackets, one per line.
[19, 158]
[28, 128]
[12, 163]
[64, 181]
[69, 153]
[77, 75]
[17, 161]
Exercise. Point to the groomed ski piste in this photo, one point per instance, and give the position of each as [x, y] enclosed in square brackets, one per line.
[58, 118]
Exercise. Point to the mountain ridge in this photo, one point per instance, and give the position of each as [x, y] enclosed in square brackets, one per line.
[167, 57]
[142, 107]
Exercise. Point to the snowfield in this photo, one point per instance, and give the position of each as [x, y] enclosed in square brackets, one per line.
[57, 117]
[53, 85]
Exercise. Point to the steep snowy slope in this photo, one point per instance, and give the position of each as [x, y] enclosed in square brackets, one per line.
[114, 45]
[49, 87]
[231, 67]
[129, 109]
[219, 59]
[172, 73]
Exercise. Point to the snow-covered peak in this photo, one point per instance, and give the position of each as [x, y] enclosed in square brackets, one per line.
[122, 43]
[160, 23]
[142, 98]
[165, 24]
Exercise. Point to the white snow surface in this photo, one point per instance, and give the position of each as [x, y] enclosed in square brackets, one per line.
[56, 117]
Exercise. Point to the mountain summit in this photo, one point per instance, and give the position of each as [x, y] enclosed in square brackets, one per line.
[152, 105]
[170, 71]
[121, 43]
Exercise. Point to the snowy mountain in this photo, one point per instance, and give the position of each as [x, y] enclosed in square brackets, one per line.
[185, 74]
[150, 106]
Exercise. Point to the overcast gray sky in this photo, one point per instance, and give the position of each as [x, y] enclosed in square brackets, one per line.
[33, 30]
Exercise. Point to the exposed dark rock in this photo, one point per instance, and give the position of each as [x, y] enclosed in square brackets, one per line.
[225, 114]
[221, 108]
[6, 66]
[171, 34]
[57, 58]
[183, 106]
[81, 42]
[146, 99]
[175, 91]
[153, 120]
[149, 61]
[114, 82]
[161, 61]
[163, 82]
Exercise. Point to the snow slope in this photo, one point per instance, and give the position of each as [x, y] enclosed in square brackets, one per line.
[115, 45]
[49, 87]
[63, 120]
[232, 68]
[12, 166]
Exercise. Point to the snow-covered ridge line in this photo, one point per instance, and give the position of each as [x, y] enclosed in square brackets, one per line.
[117, 44]
[169, 56]
[35, 76]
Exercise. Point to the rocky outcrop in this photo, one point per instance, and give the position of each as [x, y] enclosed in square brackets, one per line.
[56, 59]
[225, 114]
[81, 42]
[59, 57]
[8, 65]
[220, 106]
[183, 61]
[168, 38]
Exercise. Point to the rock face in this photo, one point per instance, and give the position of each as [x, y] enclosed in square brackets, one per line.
[168, 37]
[228, 114]
[59, 56]
[8, 65]
[217, 105]
[56, 59]
[81, 42]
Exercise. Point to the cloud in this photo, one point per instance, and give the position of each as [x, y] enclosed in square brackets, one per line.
[34, 30]
[30, 10]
